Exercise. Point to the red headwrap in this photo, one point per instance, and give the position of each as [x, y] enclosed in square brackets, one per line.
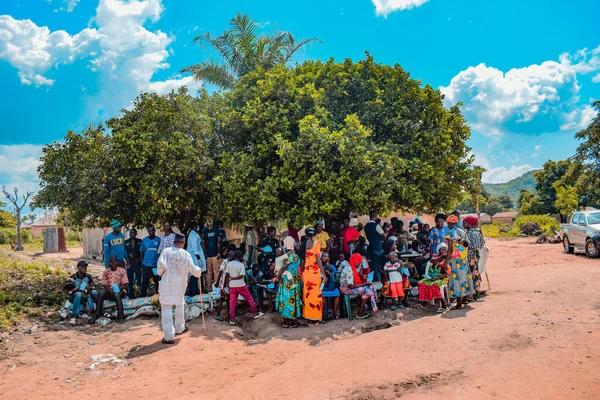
[471, 220]
[355, 260]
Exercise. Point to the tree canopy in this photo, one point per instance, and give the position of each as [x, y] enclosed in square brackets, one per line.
[321, 139]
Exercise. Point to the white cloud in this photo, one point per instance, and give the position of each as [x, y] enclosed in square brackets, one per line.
[502, 174]
[491, 98]
[18, 167]
[33, 49]
[164, 87]
[71, 4]
[536, 151]
[596, 79]
[384, 7]
[578, 119]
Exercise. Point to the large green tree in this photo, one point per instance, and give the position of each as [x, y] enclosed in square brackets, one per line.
[154, 166]
[242, 51]
[318, 140]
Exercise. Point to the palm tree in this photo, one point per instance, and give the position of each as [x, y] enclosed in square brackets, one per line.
[243, 51]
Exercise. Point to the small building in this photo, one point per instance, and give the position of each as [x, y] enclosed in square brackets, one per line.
[484, 217]
[38, 227]
[505, 217]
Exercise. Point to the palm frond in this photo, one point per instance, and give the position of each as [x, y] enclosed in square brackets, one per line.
[211, 72]
[292, 46]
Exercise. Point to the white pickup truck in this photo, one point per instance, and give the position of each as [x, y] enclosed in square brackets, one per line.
[582, 232]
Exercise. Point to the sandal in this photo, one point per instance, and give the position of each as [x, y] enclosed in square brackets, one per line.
[107, 315]
[294, 325]
[363, 316]
[393, 308]
[441, 310]
[165, 341]
[285, 326]
[219, 318]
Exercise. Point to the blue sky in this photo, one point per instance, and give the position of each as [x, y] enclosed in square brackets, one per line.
[526, 71]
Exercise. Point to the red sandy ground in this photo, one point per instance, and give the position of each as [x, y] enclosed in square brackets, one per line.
[535, 335]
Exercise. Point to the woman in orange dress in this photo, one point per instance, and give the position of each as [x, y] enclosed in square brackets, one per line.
[312, 279]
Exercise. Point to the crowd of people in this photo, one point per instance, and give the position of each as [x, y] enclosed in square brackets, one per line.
[379, 263]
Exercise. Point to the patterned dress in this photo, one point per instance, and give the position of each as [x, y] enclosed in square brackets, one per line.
[476, 243]
[289, 292]
[436, 236]
[460, 282]
[312, 298]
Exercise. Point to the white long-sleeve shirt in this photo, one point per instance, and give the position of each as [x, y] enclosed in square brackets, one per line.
[194, 247]
[174, 266]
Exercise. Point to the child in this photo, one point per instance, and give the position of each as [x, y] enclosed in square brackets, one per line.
[254, 278]
[393, 267]
[221, 279]
[237, 287]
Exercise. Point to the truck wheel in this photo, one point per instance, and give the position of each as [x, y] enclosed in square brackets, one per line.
[567, 246]
[591, 250]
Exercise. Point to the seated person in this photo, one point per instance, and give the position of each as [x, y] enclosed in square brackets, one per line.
[351, 282]
[80, 290]
[254, 277]
[331, 287]
[267, 287]
[435, 279]
[114, 280]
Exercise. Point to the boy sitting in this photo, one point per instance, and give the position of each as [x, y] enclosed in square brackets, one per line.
[79, 289]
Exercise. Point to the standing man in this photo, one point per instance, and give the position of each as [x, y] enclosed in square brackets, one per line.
[149, 255]
[194, 247]
[114, 280]
[213, 240]
[134, 269]
[250, 255]
[375, 236]
[168, 237]
[174, 265]
[114, 245]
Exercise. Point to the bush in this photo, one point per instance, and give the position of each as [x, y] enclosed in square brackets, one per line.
[24, 285]
[73, 236]
[9, 235]
[499, 230]
[548, 224]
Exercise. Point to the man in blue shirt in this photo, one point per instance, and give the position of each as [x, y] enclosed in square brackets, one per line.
[194, 247]
[114, 245]
[375, 236]
[149, 255]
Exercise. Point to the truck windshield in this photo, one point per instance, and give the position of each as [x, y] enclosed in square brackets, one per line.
[594, 218]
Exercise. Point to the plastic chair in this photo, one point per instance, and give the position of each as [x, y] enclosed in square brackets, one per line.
[348, 307]
[484, 254]
[326, 296]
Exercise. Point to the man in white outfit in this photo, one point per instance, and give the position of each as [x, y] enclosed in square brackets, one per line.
[174, 266]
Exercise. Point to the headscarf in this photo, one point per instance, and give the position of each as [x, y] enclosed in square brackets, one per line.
[471, 220]
[289, 243]
[355, 260]
[441, 246]
[319, 222]
[115, 224]
[452, 219]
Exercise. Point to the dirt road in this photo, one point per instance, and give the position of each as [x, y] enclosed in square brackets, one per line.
[536, 335]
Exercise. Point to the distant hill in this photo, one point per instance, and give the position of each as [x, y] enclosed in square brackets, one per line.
[514, 187]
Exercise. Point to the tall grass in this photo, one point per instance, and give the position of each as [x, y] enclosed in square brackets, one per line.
[27, 287]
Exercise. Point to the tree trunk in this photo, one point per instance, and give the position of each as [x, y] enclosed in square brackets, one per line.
[19, 241]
